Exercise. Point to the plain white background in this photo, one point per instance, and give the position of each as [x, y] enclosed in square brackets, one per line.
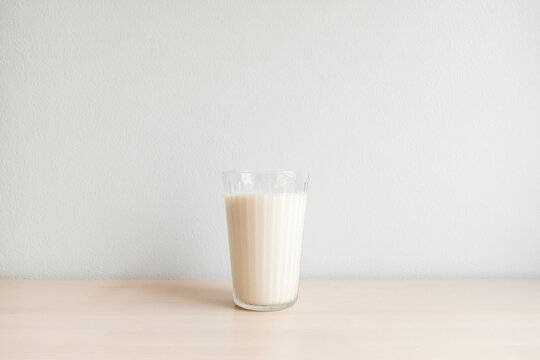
[418, 120]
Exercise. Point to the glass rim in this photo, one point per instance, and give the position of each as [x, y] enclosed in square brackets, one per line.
[298, 173]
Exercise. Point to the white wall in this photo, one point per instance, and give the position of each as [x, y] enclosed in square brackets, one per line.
[419, 122]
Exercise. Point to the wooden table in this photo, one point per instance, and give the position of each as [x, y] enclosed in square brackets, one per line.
[412, 319]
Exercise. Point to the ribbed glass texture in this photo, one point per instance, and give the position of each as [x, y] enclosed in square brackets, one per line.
[265, 219]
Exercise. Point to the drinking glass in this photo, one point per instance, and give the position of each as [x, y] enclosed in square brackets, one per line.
[265, 221]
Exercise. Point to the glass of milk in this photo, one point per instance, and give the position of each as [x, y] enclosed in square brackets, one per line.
[265, 219]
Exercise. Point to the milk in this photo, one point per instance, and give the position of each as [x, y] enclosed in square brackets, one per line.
[265, 240]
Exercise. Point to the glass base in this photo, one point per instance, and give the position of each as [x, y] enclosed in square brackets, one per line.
[264, 307]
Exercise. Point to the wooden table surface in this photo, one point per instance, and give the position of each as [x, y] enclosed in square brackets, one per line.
[411, 319]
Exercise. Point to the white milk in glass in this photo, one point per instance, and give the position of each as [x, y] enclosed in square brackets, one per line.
[265, 240]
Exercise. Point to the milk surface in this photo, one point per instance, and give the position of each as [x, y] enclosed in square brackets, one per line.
[265, 241]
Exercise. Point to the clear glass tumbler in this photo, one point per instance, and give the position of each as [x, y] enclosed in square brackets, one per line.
[265, 219]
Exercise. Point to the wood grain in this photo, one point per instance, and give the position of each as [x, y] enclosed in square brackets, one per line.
[411, 319]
